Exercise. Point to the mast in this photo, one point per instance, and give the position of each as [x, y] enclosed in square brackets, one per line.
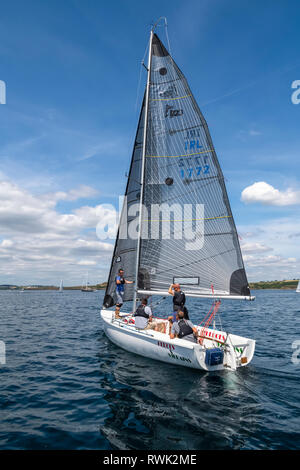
[142, 172]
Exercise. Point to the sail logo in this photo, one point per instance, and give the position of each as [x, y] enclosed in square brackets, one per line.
[296, 94]
[171, 112]
[170, 92]
[166, 345]
[2, 353]
[179, 358]
[192, 133]
[213, 335]
[2, 92]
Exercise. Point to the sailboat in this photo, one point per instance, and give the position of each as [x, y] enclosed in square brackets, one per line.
[61, 287]
[298, 287]
[174, 163]
[86, 287]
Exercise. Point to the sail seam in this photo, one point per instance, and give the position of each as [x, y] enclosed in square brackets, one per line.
[171, 99]
[186, 220]
[177, 156]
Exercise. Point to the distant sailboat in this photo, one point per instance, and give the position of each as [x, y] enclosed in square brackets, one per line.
[298, 287]
[86, 288]
[61, 287]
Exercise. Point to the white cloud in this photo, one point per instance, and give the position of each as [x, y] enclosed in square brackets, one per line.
[74, 194]
[86, 262]
[270, 259]
[254, 248]
[264, 193]
[41, 245]
[6, 243]
[277, 236]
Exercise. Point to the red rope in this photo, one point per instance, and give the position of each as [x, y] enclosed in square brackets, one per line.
[208, 318]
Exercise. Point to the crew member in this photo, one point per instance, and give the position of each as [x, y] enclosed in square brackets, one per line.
[178, 302]
[184, 329]
[143, 317]
[178, 297]
[120, 290]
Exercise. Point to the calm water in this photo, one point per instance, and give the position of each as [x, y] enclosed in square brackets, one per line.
[65, 386]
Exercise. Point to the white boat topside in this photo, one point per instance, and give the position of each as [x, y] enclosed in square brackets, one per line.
[156, 345]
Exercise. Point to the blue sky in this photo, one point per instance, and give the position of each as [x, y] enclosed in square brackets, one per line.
[72, 70]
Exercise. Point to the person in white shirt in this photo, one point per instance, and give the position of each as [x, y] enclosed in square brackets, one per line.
[143, 317]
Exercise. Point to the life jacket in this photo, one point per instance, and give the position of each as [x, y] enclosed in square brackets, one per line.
[140, 312]
[120, 287]
[184, 329]
[179, 299]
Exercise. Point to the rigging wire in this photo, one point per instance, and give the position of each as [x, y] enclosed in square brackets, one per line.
[140, 78]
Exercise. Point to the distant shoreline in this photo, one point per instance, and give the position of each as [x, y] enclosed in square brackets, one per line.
[282, 285]
[54, 288]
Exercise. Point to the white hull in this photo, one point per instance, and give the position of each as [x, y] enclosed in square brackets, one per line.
[155, 345]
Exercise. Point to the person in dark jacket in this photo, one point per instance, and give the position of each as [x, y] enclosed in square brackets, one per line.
[178, 297]
[178, 303]
[184, 329]
[143, 317]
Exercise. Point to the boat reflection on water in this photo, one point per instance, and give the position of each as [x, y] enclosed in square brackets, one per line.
[159, 406]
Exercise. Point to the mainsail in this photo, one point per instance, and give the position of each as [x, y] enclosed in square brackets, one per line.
[187, 233]
[125, 250]
[298, 287]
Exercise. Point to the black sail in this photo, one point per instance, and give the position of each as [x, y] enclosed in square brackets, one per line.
[187, 231]
[182, 170]
[125, 250]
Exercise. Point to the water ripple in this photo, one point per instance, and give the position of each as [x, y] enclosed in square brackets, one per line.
[66, 386]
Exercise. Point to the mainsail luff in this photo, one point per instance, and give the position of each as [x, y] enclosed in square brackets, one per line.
[142, 173]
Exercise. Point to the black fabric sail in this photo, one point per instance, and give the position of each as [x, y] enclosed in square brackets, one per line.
[187, 231]
[125, 250]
